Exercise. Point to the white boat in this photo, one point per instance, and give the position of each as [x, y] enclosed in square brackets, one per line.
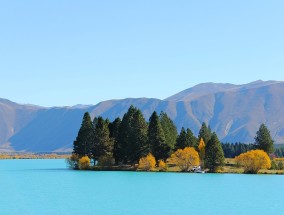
[197, 169]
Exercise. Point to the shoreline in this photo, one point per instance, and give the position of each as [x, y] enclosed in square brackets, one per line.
[228, 168]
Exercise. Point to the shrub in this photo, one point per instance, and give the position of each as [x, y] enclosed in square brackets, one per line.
[253, 161]
[147, 163]
[185, 158]
[280, 165]
[84, 162]
[273, 165]
[73, 161]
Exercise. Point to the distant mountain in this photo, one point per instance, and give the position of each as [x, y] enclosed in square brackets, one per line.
[233, 111]
[200, 90]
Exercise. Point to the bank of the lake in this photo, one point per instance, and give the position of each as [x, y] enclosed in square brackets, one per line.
[230, 167]
[48, 187]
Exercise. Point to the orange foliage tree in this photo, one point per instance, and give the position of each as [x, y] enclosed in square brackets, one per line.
[201, 148]
[185, 158]
[163, 166]
[253, 161]
[84, 162]
[147, 163]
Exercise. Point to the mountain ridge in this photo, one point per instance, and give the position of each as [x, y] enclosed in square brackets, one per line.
[233, 111]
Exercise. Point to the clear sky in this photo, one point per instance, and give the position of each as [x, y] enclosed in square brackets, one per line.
[67, 52]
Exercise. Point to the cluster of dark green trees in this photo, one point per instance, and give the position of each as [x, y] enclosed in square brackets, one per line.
[263, 141]
[128, 139]
[279, 152]
[232, 150]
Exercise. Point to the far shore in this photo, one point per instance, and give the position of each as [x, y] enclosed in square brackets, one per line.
[24, 155]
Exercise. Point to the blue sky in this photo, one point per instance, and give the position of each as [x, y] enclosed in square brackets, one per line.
[83, 52]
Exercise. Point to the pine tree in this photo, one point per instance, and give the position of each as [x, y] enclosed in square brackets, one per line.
[114, 133]
[279, 152]
[138, 146]
[83, 144]
[114, 128]
[191, 140]
[263, 140]
[204, 133]
[95, 121]
[214, 155]
[132, 138]
[181, 139]
[124, 136]
[156, 138]
[170, 130]
[103, 144]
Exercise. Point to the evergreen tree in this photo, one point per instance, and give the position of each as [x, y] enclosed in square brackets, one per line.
[170, 130]
[103, 144]
[181, 139]
[114, 128]
[132, 138]
[186, 139]
[95, 121]
[263, 140]
[204, 133]
[279, 152]
[138, 146]
[122, 153]
[235, 149]
[114, 133]
[107, 122]
[156, 138]
[191, 140]
[83, 144]
[214, 155]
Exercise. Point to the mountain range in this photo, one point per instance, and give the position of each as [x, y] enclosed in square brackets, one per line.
[234, 112]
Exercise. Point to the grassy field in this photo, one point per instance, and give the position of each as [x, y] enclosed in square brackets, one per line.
[230, 167]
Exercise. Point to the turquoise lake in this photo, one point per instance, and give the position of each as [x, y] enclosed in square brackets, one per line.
[42, 187]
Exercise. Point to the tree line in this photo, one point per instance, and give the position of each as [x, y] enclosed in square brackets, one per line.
[279, 152]
[231, 150]
[126, 140]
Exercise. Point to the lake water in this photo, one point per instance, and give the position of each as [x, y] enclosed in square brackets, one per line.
[42, 187]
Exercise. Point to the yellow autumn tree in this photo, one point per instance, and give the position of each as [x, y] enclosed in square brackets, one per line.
[185, 158]
[253, 161]
[147, 163]
[163, 166]
[84, 162]
[201, 148]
